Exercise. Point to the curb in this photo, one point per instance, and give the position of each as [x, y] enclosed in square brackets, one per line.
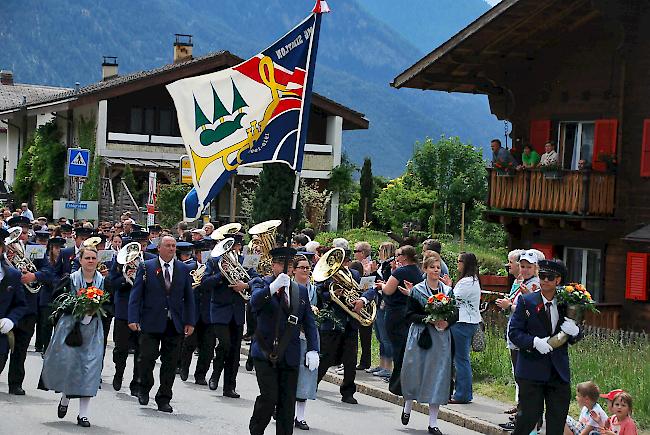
[454, 417]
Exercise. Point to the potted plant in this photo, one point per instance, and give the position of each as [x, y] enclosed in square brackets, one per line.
[552, 172]
[494, 282]
[609, 160]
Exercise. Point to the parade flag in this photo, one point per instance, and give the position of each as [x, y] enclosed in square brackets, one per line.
[255, 112]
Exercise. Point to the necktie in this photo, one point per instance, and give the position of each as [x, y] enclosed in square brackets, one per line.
[168, 277]
[549, 322]
[283, 299]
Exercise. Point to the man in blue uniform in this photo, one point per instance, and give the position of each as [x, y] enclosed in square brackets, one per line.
[543, 372]
[280, 307]
[161, 306]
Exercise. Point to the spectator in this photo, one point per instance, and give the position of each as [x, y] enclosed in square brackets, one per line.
[197, 234]
[309, 232]
[530, 158]
[591, 414]
[299, 241]
[468, 296]
[500, 155]
[550, 157]
[25, 211]
[208, 228]
[435, 246]
[180, 229]
[621, 422]
[342, 243]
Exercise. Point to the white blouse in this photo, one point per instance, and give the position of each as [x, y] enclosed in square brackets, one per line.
[468, 298]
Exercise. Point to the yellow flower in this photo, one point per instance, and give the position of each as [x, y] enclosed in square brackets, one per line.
[588, 294]
[569, 289]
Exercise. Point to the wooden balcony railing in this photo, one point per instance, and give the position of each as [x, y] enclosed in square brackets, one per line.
[568, 192]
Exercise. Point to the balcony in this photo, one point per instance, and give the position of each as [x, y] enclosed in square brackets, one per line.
[580, 193]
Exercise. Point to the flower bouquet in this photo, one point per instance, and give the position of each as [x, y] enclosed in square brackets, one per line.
[86, 302]
[577, 300]
[440, 307]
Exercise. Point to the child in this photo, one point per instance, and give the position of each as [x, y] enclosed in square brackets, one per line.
[621, 422]
[610, 402]
[587, 394]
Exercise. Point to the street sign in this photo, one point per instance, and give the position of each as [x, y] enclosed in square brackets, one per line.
[76, 205]
[186, 170]
[78, 160]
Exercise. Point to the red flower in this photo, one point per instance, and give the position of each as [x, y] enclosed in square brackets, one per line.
[539, 308]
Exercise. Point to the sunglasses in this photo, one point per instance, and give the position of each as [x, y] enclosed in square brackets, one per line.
[543, 276]
[358, 250]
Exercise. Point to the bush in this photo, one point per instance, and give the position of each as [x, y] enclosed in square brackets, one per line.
[404, 199]
[170, 198]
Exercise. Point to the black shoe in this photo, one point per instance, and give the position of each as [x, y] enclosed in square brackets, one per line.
[302, 425]
[143, 398]
[232, 394]
[507, 426]
[165, 407]
[213, 383]
[362, 367]
[61, 410]
[117, 382]
[405, 418]
[349, 399]
[83, 421]
[134, 391]
[17, 391]
[275, 413]
[185, 373]
[249, 365]
[434, 430]
[200, 381]
[38, 349]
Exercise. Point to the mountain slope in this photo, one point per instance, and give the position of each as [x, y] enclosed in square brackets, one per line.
[60, 43]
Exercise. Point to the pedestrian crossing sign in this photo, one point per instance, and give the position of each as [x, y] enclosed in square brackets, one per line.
[78, 160]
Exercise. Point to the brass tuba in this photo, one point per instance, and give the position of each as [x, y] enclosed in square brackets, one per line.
[130, 257]
[18, 259]
[263, 241]
[229, 264]
[330, 265]
[225, 230]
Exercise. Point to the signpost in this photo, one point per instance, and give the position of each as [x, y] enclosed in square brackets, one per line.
[78, 165]
[151, 200]
[186, 170]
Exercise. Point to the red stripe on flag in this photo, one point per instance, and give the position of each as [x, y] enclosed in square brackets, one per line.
[251, 69]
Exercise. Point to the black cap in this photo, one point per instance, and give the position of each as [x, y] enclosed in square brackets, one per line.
[3, 235]
[100, 235]
[139, 235]
[307, 254]
[198, 245]
[66, 228]
[152, 248]
[185, 247]
[83, 232]
[60, 241]
[21, 221]
[281, 253]
[155, 227]
[238, 237]
[126, 239]
[42, 234]
[136, 227]
[209, 243]
[553, 266]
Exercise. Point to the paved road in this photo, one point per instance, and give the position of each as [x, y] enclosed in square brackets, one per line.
[197, 410]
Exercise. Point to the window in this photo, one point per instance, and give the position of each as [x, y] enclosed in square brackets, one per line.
[584, 266]
[136, 120]
[576, 141]
[149, 120]
[165, 122]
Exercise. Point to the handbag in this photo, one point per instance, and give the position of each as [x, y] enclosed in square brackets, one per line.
[424, 341]
[478, 339]
[74, 338]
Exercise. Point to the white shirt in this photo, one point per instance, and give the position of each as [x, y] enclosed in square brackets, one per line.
[549, 159]
[555, 315]
[2, 273]
[468, 296]
[28, 214]
[170, 268]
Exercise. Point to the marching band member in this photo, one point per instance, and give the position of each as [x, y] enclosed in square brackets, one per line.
[45, 298]
[41, 237]
[280, 306]
[68, 261]
[161, 306]
[339, 335]
[154, 232]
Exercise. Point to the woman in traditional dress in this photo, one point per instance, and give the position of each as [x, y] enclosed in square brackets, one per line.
[75, 372]
[426, 369]
[307, 379]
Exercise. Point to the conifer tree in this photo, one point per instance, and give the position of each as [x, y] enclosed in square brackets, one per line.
[274, 194]
[367, 191]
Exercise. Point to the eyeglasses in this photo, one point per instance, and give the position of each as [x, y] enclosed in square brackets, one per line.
[357, 251]
[543, 276]
[303, 267]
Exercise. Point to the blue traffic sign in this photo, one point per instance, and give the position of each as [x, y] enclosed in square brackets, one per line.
[78, 160]
[76, 205]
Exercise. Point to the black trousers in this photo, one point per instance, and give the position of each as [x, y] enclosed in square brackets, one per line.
[277, 390]
[168, 346]
[44, 328]
[23, 333]
[226, 355]
[555, 393]
[121, 337]
[340, 348]
[251, 320]
[365, 338]
[3, 361]
[203, 339]
[398, 329]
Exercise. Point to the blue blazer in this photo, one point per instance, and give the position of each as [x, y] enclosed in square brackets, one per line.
[120, 289]
[66, 261]
[265, 307]
[528, 322]
[225, 304]
[149, 305]
[45, 277]
[12, 301]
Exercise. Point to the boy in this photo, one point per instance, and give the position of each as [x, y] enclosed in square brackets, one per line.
[591, 414]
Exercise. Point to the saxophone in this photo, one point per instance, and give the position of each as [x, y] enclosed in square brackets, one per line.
[16, 257]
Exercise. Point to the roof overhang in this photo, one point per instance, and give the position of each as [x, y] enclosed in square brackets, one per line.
[642, 235]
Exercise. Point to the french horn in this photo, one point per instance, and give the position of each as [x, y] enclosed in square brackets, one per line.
[130, 257]
[263, 240]
[330, 265]
[18, 259]
[229, 265]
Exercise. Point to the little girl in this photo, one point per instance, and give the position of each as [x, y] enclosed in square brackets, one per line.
[621, 422]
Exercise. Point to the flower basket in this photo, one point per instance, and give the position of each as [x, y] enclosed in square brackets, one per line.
[577, 300]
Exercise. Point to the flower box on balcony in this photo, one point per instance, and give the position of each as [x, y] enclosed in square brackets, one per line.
[553, 175]
[505, 174]
[494, 283]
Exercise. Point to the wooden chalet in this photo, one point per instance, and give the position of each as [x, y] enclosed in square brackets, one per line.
[136, 125]
[572, 71]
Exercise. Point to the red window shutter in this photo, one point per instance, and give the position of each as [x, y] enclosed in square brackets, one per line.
[645, 149]
[546, 249]
[540, 133]
[604, 141]
[636, 287]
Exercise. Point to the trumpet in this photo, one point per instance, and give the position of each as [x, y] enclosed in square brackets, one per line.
[130, 257]
[229, 265]
[16, 257]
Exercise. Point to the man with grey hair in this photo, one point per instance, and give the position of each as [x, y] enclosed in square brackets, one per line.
[26, 212]
[208, 228]
[342, 243]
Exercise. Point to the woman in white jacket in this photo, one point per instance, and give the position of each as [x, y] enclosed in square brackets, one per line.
[468, 297]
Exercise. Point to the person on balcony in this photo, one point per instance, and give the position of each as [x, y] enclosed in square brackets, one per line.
[530, 158]
[550, 157]
[500, 155]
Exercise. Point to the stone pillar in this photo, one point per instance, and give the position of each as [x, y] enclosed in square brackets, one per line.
[334, 137]
[102, 120]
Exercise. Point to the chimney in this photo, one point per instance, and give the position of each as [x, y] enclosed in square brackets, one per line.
[182, 47]
[109, 67]
[6, 77]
